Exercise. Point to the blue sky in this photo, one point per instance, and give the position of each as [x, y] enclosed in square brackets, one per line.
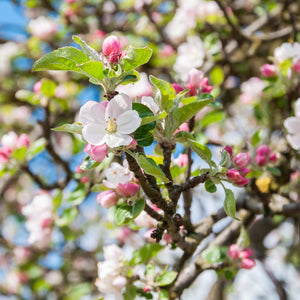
[12, 21]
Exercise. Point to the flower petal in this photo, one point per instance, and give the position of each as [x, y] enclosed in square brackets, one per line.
[294, 141]
[128, 122]
[92, 112]
[94, 133]
[292, 124]
[118, 105]
[117, 140]
[297, 108]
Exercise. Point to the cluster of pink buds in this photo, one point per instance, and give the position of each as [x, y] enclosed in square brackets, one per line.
[11, 142]
[264, 155]
[243, 256]
[238, 173]
[197, 83]
[268, 70]
[96, 153]
[111, 48]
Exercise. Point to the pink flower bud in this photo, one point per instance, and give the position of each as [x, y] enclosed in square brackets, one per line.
[268, 70]
[154, 206]
[204, 82]
[146, 289]
[84, 179]
[182, 160]
[229, 150]
[207, 89]
[177, 87]
[183, 127]
[296, 66]
[246, 253]
[261, 160]
[96, 153]
[242, 181]
[233, 175]
[244, 171]
[234, 251]
[194, 78]
[168, 239]
[78, 170]
[166, 51]
[128, 189]
[107, 199]
[192, 90]
[263, 150]
[23, 141]
[133, 144]
[273, 157]
[37, 87]
[111, 48]
[46, 223]
[242, 159]
[123, 233]
[247, 263]
[119, 282]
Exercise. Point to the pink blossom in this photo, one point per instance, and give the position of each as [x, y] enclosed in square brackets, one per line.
[119, 282]
[268, 70]
[181, 160]
[261, 160]
[234, 251]
[177, 87]
[168, 239]
[242, 159]
[247, 263]
[236, 177]
[263, 150]
[166, 51]
[246, 253]
[10, 140]
[128, 189]
[123, 233]
[195, 78]
[96, 153]
[229, 150]
[273, 157]
[144, 220]
[133, 144]
[107, 199]
[111, 48]
[244, 171]
[37, 87]
[23, 141]
[183, 127]
[84, 179]
[296, 66]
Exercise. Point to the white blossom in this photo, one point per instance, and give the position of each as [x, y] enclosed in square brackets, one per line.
[109, 123]
[42, 27]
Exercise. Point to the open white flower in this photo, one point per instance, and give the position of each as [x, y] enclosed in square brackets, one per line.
[292, 124]
[109, 123]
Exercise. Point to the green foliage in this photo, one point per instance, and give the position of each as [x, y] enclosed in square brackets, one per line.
[210, 186]
[229, 203]
[135, 57]
[165, 93]
[71, 128]
[215, 254]
[256, 138]
[243, 239]
[124, 213]
[163, 294]
[89, 164]
[165, 278]
[202, 151]
[48, 88]
[36, 147]
[91, 53]
[145, 253]
[67, 217]
[150, 167]
[78, 195]
[94, 70]
[217, 75]
[66, 59]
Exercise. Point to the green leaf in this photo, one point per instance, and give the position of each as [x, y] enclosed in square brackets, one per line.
[71, 128]
[89, 164]
[165, 93]
[212, 117]
[215, 254]
[48, 87]
[66, 58]
[78, 195]
[143, 139]
[28, 96]
[163, 295]
[165, 278]
[274, 171]
[135, 57]
[187, 111]
[94, 70]
[210, 186]
[147, 120]
[217, 75]
[145, 253]
[150, 270]
[57, 198]
[183, 136]
[125, 213]
[129, 77]
[67, 217]
[256, 138]
[143, 111]
[150, 167]
[243, 239]
[229, 203]
[130, 292]
[225, 159]
[91, 53]
[202, 151]
[20, 153]
[36, 147]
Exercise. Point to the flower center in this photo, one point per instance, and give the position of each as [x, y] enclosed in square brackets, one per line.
[111, 125]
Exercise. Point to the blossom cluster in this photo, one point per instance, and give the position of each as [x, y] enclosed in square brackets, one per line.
[263, 155]
[242, 256]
